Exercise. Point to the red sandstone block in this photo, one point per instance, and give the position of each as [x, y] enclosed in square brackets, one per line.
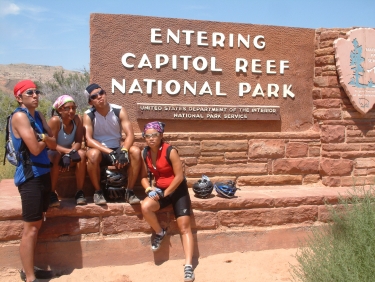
[204, 220]
[333, 81]
[318, 71]
[339, 147]
[325, 60]
[311, 179]
[68, 207]
[296, 149]
[268, 217]
[239, 169]
[321, 81]
[327, 103]
[266, 180]
[325, 44]
[266, 149]
[314, 151]
[367, 147]
[327, 114]
[324, 51]
[69, 226]
[188, 151]
[333, 133]
[360, 172]
[331, 181]
[211, 160]
[215, 146]
[329, 73]
[236, 155]
[331, 155]
[296, 166]
[126, 223]
[360, 140]
[11, 230]
[329, 68]
[356, 154]
[329, 35]
[354, 133]
[335, 167]
[190, 161]
[364, 163]
[357, 181]
[331, 93]
[316, 93]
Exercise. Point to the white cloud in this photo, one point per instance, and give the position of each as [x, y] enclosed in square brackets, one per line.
[8, 8]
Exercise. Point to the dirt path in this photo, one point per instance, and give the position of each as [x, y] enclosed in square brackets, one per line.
[261, 266]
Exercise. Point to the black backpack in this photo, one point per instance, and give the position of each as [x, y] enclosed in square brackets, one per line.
[91, 114]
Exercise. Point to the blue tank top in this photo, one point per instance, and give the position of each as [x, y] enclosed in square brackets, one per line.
[42, 158]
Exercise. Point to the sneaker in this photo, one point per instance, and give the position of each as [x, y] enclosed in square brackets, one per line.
[131, 198]
[54, 200]
[189, 274]
[80, 198]
[99, 198]
[156, 242]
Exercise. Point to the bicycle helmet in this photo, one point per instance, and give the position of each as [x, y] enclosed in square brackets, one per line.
[226, 189]
[203, 187]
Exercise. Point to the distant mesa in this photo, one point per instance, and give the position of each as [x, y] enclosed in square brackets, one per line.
[12, 73]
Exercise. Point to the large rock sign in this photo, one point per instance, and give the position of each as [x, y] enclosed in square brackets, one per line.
[259, 78]
[355, 60]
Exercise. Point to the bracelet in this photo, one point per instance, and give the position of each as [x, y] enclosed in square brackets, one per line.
[148, 189]
[124, 149]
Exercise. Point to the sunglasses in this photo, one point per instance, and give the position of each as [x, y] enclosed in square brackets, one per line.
[31, 92]
[148, 136]
[96, 95]
[67, 109]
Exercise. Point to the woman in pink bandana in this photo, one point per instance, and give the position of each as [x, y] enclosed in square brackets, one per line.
[67, 127]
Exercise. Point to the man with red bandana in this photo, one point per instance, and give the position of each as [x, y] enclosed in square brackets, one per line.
[32, 176]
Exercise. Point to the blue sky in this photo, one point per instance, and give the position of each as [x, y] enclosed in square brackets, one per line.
[56, 32]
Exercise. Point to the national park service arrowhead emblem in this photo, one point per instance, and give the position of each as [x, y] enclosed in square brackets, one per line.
[355, 62]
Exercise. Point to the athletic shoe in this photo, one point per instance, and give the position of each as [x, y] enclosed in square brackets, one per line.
[189, 274]
[131, 198]
[80, 198]
[39, 274]
[54, 200]
[99, 198]
[156, 242]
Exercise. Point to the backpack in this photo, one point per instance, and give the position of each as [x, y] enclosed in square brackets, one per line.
[144, 155]
[23, 154]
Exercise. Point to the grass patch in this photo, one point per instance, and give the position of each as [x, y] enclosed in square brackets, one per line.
[345, 249]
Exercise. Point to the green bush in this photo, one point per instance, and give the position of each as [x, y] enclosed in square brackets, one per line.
[345, 249]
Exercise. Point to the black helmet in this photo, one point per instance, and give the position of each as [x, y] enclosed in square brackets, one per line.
[203, 187]
[115, 179]
[226, 189]
[115, 182]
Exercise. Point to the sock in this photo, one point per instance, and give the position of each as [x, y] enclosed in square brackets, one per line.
[161, 233]
[188, 265]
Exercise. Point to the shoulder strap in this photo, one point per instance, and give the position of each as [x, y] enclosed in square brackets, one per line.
[169, 149]
[117, 112]
[91, 114]
[144, 156]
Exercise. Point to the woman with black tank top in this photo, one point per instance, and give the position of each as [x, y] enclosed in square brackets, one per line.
[67, 128]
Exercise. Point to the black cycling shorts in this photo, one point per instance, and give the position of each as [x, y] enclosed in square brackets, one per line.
[35, 194]
[179, 199]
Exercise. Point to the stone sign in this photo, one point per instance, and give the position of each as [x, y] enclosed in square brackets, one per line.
[355, 61]
[188, 63]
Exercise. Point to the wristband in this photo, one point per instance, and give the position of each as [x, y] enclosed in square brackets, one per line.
[124, 149]
[148, 189]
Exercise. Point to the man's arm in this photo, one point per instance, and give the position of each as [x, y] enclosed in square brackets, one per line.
[127, 128]
[22, 129]
[90, 141]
